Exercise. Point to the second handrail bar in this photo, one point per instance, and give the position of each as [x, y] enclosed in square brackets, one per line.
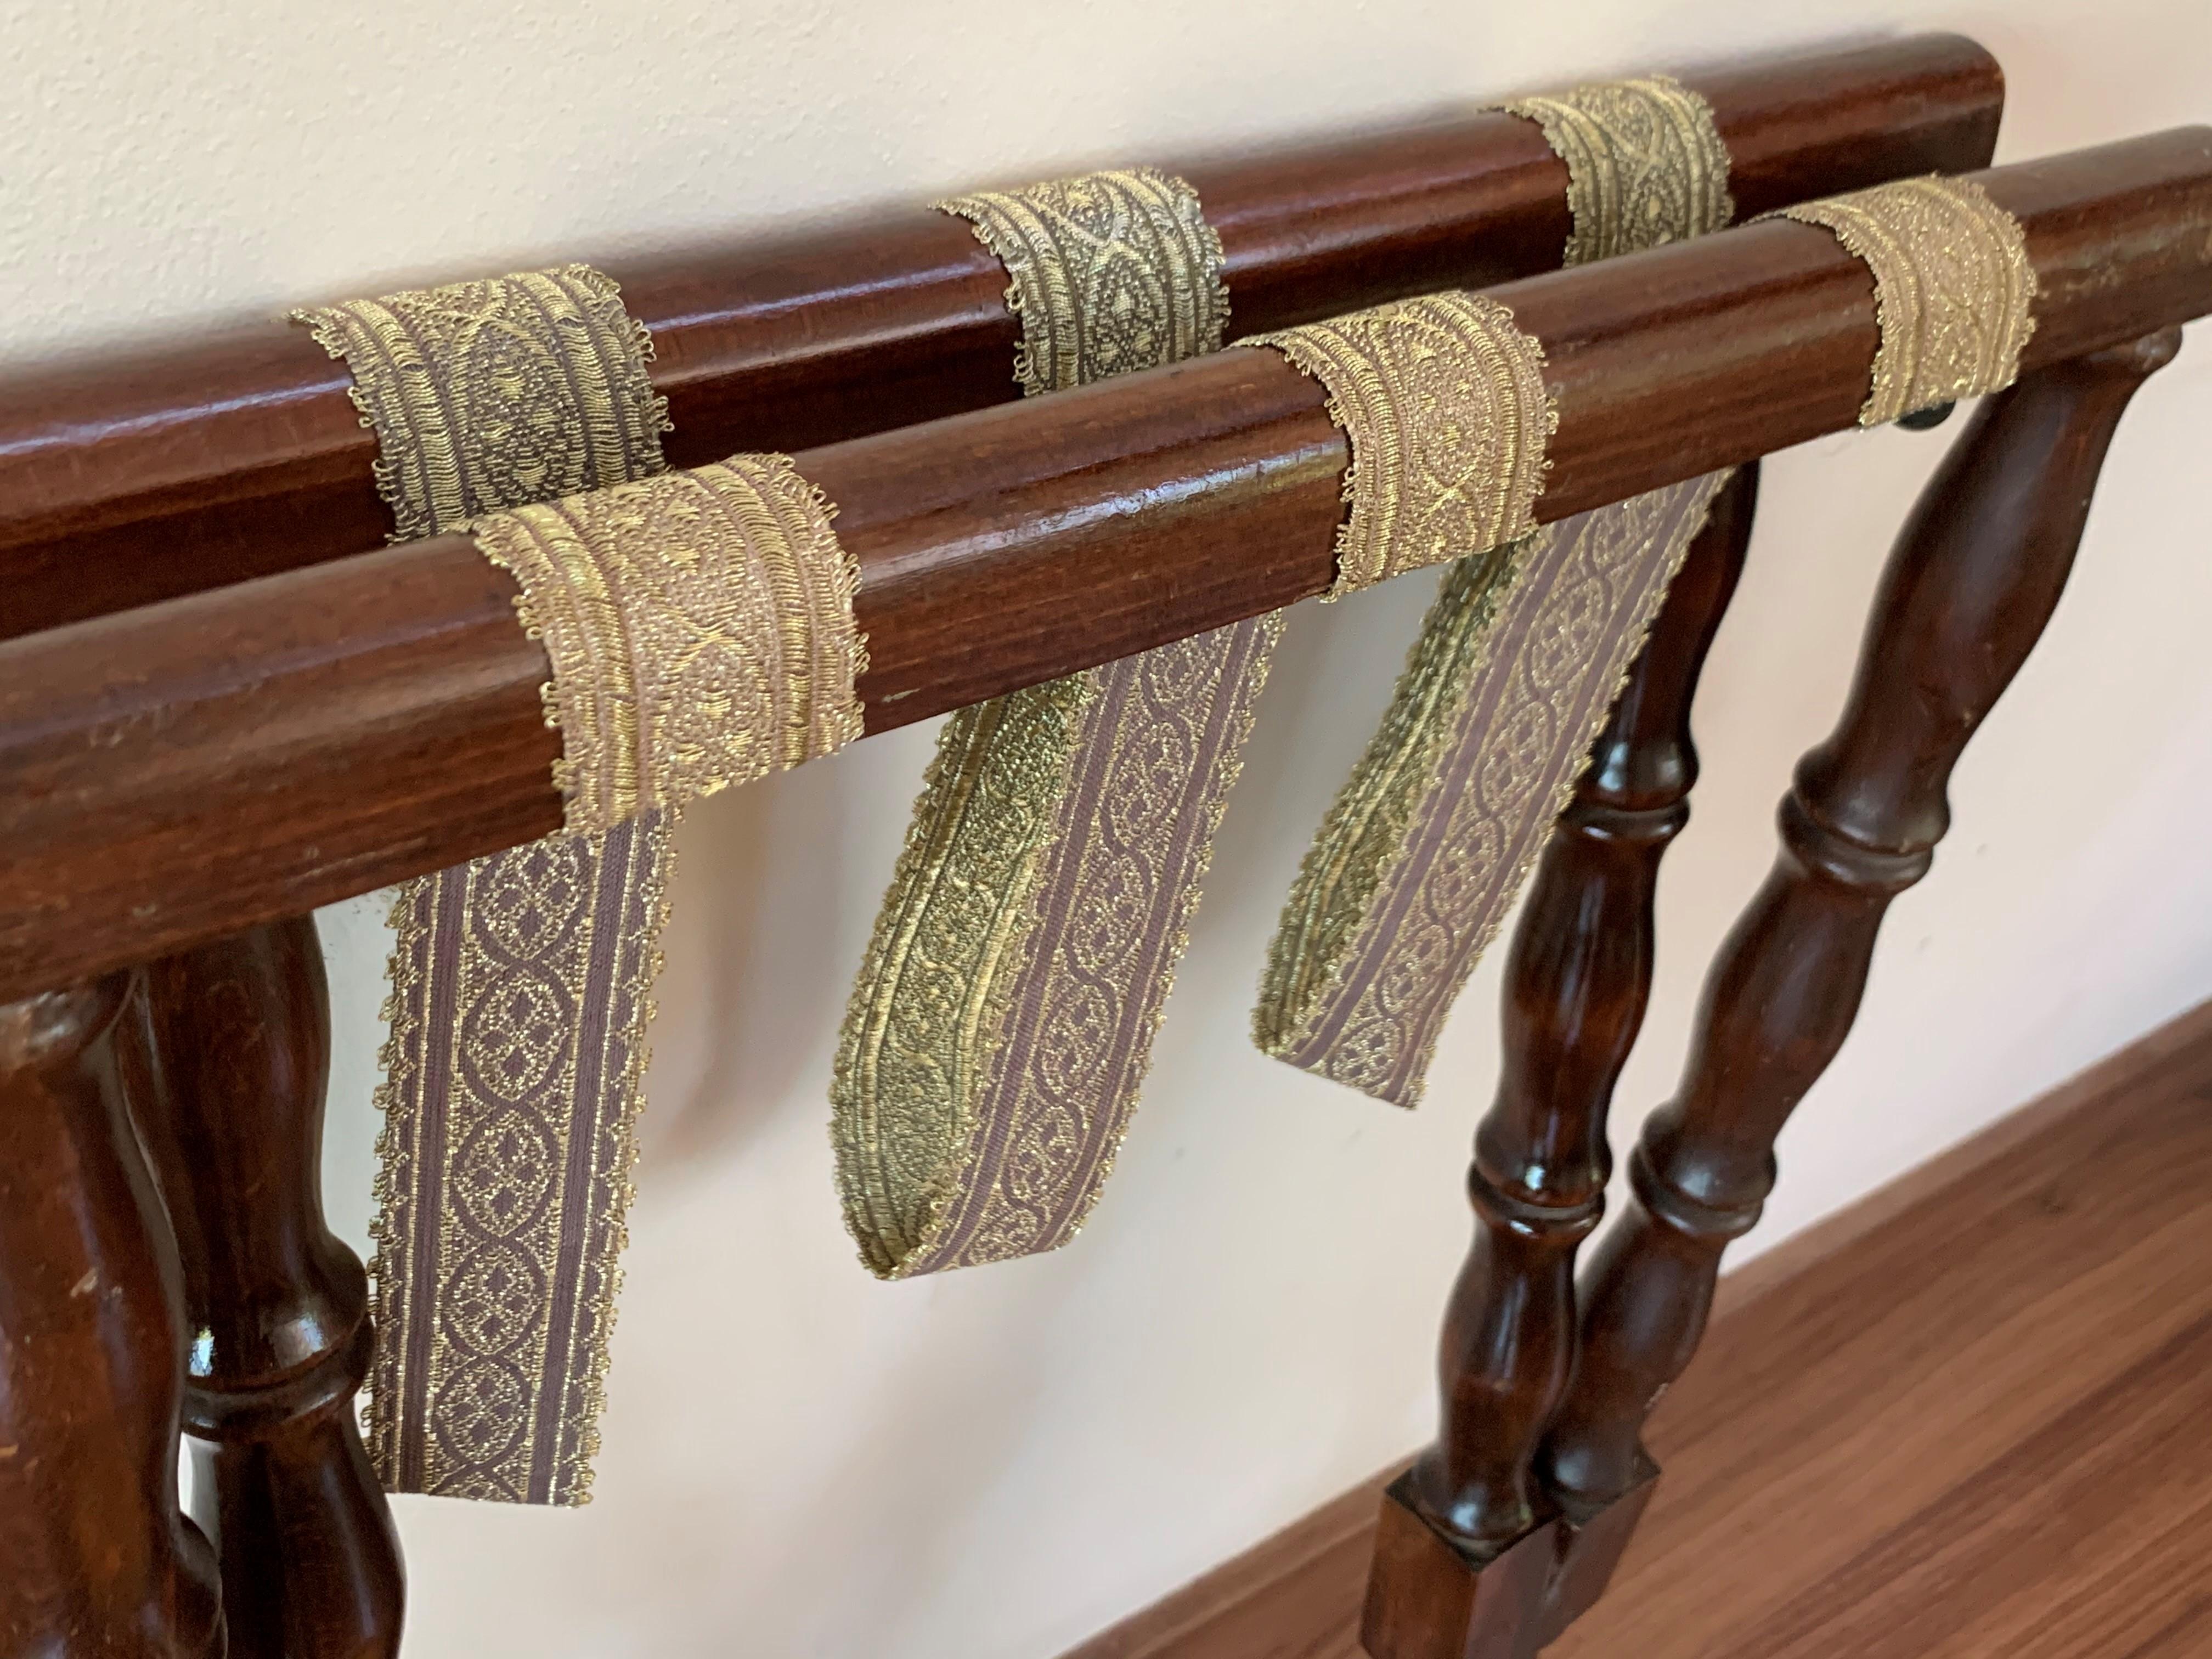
[174, 773]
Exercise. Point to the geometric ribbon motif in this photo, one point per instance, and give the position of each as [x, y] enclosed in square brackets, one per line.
[520, 982]
[1646, 164]
[699, 628]
[1953, 288]
[1431, 838]
[494, 394]
[1424, 850]
[1001, 1025]
[1111, 272]
[1444, 403]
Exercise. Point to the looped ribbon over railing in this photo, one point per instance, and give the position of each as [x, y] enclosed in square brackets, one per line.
[1524, 653]
[700, 630]
[1520, 655]
[1002, 1022]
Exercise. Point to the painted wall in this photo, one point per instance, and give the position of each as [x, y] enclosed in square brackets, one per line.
[800, 1461]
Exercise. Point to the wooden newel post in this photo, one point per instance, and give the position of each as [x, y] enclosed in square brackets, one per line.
[96, 1559]
[1975, 576]
[1472, 1559]
[227, 1056]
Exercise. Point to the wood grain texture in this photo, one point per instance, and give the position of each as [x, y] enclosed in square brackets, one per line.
[1953, 1420]
[1576, 980]
[129, 479]
[175, 773]
[96, 1559]
[1975, 575]
[226, 1056]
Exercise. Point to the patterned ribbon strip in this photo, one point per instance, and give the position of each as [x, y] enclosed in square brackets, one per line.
[1002, 1022]
[521, 982]
[1429, 840]
[1444, 400]
[1953, 288]
[1425, 848]
[1646, 163]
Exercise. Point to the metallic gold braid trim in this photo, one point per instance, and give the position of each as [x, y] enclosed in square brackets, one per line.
[491, 394]
[520, 982]
[1953, 288]
[1443, 399]
[700, 626]
[1002, 1023]
[1112, 272]
[957, 920]
[1646, 163]
[521, 997]
[1432, 837]
[1367, 824]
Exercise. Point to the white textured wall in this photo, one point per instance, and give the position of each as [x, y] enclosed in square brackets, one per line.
[989, 1466]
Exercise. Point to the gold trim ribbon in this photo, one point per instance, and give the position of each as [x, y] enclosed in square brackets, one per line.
[521, 982]
[1954, 290]
[494, 394]
[1431, 838]
[1002, 1023]
[1111, 272]
[1443, 399]
[1646, 163]
[700, 626]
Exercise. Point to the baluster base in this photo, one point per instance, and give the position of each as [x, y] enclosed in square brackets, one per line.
[1429, 1598]
[1590, 1543]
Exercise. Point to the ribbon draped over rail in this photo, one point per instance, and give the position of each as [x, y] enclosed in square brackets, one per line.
[1443, 399]
[1002, 1022]
[1953, 288]
[1523, 651]
[1646, 163]
[1518, 663]
[699, 630]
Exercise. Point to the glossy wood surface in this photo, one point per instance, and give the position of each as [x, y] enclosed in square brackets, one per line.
[172, 773]
[1907, 1435]
[1576, 980]
[1976, 574]
[135, 478]
[226, 1054]
[96, 1559]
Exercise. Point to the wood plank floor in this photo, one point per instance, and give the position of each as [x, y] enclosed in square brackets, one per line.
[1972, 1416]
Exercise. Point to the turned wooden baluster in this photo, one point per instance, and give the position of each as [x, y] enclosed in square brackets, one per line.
[1575, 989]
[1974, 577]
[96, 1559]
[227, 1060]
[1576, 986]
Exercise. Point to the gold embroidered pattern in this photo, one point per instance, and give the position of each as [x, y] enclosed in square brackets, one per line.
[492, 394]
[1646, 164]
[700, 625]
[1422, 854]
[1444, 400]
[1112, 272]
[1003, 1021]
[1953, 288]
[522, 987]
[520, 982]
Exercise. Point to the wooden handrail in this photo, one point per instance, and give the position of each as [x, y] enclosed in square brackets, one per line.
[141, 479]
[176, 772]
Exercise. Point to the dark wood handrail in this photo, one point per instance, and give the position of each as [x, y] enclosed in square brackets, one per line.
[173, 773]
[139, 479]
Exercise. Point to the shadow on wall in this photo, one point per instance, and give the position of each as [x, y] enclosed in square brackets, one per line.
[773, 880]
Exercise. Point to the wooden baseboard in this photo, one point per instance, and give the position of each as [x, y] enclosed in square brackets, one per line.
[1298, 1594]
